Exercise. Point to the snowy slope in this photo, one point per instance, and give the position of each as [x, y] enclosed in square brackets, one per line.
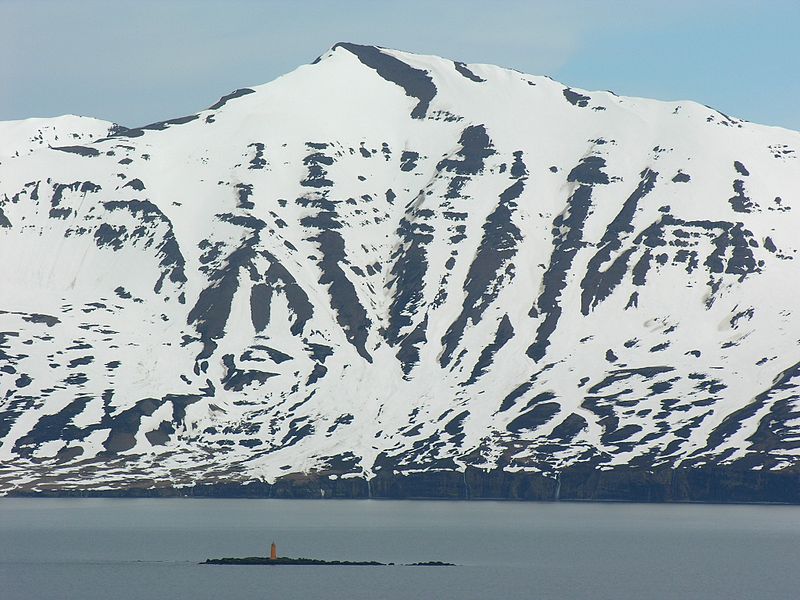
[26, 136]
[387, 261]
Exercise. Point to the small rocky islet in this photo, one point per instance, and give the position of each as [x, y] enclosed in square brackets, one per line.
[285, 560]
[274, 560]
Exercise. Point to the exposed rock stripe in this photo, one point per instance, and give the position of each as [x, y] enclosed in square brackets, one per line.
[597, 285]
[567, 240]
[490, 269]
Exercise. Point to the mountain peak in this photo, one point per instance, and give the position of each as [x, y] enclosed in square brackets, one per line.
[415, 82]
[351, 47]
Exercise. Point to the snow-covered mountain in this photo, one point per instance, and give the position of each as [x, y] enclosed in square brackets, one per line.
[386, 263]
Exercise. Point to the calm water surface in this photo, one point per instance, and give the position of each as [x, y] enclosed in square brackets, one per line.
[136, 549]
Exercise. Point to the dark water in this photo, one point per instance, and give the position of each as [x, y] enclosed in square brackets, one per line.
[134, 549]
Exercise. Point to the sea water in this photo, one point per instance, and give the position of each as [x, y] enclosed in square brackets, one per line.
[130, 549]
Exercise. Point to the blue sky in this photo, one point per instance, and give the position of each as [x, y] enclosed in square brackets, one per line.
[138, 62]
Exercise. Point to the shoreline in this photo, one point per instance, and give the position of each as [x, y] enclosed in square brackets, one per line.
[707, 485]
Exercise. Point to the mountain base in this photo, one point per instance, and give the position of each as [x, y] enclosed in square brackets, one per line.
[707, 484]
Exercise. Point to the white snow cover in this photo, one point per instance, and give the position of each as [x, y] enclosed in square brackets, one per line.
[391, 261]
[19, 138]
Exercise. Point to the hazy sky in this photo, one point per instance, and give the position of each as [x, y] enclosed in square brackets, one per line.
[140, 61]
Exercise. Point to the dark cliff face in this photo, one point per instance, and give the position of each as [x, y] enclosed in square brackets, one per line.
[451, 281]
[713, 485]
